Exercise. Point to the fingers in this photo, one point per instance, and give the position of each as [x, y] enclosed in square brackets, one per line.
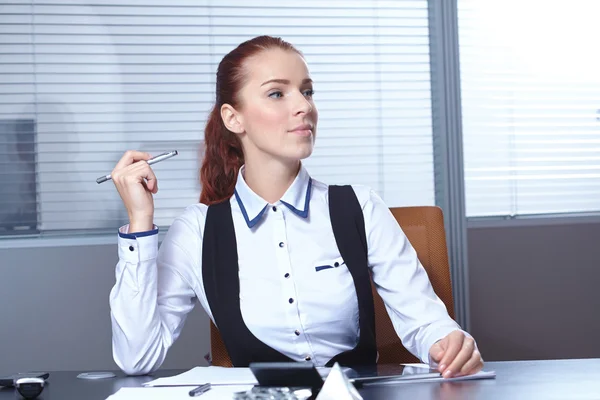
[130, 157]
[135, 181]
[140, 172]
[462, 357]
[454, 342]
[474, 365]
[437, 352]
[148, 174]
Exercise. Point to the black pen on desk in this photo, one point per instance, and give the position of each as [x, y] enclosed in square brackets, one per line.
[199, 390]
[151, 161]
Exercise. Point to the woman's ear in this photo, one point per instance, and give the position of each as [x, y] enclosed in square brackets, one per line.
[231, 119]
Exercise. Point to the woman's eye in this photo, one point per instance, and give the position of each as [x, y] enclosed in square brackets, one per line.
[275, 95]
[309, 93]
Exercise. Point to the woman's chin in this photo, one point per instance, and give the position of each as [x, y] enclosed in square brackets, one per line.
[305, 152]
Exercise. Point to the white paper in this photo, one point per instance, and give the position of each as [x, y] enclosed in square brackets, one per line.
[215, 376]
[338, 387]
[176, 393]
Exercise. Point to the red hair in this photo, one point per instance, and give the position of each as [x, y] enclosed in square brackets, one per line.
[223, 155]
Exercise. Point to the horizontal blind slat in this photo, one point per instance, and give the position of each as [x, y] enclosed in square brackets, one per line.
[92, 79]
[530, 107]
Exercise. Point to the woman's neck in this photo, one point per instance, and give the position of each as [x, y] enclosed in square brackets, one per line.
[270, 179]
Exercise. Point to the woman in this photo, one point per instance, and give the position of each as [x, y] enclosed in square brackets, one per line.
[266, 252]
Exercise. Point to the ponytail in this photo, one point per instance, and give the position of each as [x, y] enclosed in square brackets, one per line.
[223, 154]
[223, 158]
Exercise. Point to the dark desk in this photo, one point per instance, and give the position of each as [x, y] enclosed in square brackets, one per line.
[561, 379]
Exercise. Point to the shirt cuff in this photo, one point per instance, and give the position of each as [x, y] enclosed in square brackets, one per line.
[138, 246]
[124, 232]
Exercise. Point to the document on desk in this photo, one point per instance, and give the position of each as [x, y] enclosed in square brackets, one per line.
[213, 375]
[479, 375]
[400, 380]
[176, 393]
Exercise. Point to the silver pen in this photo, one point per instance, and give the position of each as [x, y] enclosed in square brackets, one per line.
[200, 390]
[151, 161]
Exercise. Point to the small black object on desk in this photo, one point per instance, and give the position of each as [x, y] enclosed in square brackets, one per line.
[28, 384]
[280, 379]
[29, 388]
[10, 380]
[287, 374]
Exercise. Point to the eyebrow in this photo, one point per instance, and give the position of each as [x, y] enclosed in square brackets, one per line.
[285, 81]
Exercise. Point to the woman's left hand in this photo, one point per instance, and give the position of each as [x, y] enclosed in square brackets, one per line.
[456, 355]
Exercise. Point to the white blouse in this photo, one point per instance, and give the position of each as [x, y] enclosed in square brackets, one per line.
[286, 252]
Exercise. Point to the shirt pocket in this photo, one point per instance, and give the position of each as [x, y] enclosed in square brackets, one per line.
[328, 264]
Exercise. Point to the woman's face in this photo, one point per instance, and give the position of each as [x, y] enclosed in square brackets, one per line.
[276, 113]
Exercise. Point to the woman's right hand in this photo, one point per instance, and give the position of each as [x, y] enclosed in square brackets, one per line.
[135, 181]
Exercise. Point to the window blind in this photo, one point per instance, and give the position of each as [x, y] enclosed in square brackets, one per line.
[530, 101]
[84, 80]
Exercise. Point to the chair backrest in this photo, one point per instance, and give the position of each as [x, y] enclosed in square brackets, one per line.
[218, 351]
[424, 228]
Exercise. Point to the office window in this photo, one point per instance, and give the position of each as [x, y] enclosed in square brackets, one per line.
[94, 78]
[530, 101]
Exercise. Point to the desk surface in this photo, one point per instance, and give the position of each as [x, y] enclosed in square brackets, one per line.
[556, 379]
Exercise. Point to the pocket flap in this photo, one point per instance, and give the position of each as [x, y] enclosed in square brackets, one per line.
[331, 263]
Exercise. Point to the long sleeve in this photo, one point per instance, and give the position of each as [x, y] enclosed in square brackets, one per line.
[419, 316]
[154, 292]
